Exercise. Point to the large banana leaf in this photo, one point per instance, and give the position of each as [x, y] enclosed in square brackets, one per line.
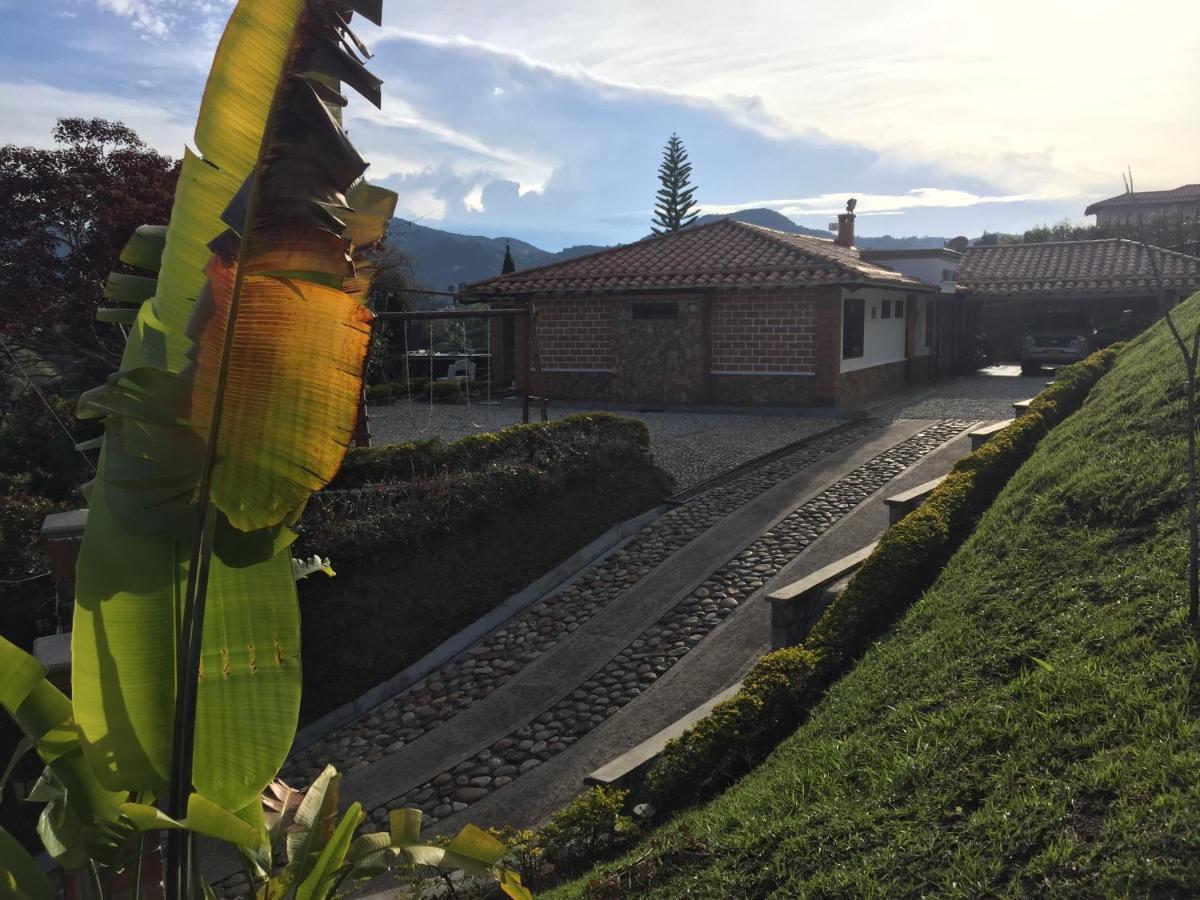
[250, 326]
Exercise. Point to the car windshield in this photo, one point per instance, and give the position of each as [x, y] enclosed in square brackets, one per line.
[1062, 322]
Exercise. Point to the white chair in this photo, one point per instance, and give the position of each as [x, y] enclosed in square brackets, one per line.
[460, 369]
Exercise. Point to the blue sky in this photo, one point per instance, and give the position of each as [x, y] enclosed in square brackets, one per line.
[545, 120]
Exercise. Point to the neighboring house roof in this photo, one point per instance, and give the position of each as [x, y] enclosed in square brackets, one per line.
[1110, 266]
[723, 254]
[1188, 193]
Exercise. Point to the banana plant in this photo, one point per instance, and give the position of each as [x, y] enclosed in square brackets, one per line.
[235, 400]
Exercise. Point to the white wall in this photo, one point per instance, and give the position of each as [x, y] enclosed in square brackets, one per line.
[927, 268]
[883, 339]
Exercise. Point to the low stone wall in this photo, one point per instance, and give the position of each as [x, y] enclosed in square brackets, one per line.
[577, 385]
[873, 383]
[770, 390]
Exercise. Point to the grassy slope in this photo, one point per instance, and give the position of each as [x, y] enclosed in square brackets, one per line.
[1030, 728]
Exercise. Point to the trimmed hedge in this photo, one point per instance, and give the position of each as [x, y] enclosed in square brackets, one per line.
[536, 443]
[785, 685]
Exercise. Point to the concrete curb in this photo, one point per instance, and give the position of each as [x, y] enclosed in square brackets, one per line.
[558, 577]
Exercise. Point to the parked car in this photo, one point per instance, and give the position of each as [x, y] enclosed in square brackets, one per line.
[1055, 339]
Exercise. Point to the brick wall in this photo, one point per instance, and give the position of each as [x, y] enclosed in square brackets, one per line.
[767, 332]
[576, 334]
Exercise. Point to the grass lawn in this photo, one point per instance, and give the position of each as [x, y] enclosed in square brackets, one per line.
[1029, 729]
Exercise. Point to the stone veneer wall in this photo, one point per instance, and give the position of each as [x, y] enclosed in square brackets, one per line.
[662, 360]
[876, 382]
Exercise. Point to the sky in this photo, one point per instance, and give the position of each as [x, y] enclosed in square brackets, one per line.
[545, 120]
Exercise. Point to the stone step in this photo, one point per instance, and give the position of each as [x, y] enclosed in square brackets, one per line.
[632, 764]
[901, 505]
[796, 607]
[981, 436]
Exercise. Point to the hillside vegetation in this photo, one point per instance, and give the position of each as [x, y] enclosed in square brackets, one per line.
[1030, 727]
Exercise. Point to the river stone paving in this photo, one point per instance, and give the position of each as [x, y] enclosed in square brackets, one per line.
[653, 652]
[498, 657]
[692, 446]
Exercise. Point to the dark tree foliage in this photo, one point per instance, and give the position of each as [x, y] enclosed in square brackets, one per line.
[675, 207]
[1179, 231]
[509, 265]
[65, 215]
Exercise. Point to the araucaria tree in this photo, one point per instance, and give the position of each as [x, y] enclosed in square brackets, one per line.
[675, 208]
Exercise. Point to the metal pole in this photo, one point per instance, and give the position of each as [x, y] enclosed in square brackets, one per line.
[537, 358]
[528, 363]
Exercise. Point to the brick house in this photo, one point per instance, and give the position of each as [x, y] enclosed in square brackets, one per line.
[1012, 283]
[725, 313]
[1125, 209]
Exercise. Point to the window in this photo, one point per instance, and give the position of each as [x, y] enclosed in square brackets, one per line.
[947, 274]
[900, 308]
[853, 327]
[885, 309]
[656, 310]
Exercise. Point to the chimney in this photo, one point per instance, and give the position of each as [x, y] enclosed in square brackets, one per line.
[845, 225]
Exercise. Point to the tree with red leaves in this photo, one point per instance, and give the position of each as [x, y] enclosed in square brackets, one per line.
[65, 214]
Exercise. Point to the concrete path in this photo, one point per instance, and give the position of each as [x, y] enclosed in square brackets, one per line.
[722, 659]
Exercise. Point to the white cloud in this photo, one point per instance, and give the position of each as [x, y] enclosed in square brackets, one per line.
[873, 204]
[160, 18]
[29, 111]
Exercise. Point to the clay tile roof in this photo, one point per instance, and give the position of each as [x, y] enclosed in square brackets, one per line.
[1184, 194]
[723, 254]
[1109, 266]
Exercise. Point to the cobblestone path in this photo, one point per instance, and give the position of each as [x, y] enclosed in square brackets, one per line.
[658, 648]
[498, 657]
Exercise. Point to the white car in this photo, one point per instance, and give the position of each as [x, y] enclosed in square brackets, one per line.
[1056, 339]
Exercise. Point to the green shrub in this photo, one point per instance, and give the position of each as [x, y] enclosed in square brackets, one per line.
[726, 741]
[907, 561]
[29, 594]
[591, 825]
[585, 436]
[445, 392]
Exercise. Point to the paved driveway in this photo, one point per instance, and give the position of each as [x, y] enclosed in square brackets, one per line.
[986, 395]
[693, 446]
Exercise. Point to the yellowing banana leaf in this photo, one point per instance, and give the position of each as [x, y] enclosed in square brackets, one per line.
[291, 390]
[279, 346]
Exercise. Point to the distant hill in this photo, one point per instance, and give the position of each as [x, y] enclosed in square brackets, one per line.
[442, 259]
[766, 218]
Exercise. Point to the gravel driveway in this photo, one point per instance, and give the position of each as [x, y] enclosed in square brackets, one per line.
[691, 446]
[984, 395]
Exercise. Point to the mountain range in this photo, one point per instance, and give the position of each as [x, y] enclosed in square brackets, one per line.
[442, 260]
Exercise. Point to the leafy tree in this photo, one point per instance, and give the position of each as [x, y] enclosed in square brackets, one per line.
[65, 214]
[509, 265]
[675, 208]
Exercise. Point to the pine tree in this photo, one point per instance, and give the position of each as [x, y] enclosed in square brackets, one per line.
[509, 266]
[674, 209]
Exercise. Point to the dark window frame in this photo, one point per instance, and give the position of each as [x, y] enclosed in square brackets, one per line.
[885, 309]
[654, 310]
[854, 312]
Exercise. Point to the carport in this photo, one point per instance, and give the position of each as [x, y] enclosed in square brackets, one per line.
[1110, 280]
